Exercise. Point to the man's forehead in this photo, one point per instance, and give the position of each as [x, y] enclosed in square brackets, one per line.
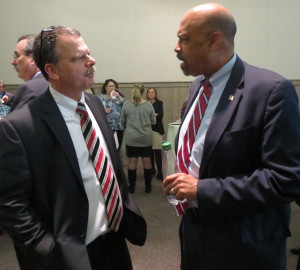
[21, 45]
[71, 42]
[190, 23]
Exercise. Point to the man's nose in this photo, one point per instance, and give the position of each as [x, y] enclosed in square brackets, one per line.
[91, 60]
[176, 48]
[13, 61]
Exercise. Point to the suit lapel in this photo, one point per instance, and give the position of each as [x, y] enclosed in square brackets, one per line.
[54, 119]
[229, 101]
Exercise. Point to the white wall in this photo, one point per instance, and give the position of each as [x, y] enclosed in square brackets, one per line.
[133, 40]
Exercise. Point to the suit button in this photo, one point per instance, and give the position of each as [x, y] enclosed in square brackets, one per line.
[82, 236]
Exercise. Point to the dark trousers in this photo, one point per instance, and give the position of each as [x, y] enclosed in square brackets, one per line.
[109, 252]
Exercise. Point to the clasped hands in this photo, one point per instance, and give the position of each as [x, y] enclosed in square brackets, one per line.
[181, 185]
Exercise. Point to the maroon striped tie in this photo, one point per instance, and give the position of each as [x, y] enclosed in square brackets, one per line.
[183, 155]
[103, 168]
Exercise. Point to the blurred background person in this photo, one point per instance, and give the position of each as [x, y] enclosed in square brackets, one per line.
[138, 115]
[157, 132]
[113, 103]
[4, 109]
[6, 97]
[34, 82]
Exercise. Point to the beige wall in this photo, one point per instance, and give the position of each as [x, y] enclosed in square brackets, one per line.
[133, 40]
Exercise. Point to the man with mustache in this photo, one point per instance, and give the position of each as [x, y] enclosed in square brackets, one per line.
[238, 160]
[34, 82]
[66, 205]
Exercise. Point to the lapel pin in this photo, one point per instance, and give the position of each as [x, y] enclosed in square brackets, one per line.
[231, 98]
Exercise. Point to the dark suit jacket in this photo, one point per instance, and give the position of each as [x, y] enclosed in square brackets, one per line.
[28, 91]
[43, 204]
[250, 170]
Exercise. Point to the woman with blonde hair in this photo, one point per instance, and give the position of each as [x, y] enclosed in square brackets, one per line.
[138, 115]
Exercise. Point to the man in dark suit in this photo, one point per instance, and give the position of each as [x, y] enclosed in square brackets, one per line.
[35, 83]
[243, 169]
[51, 202]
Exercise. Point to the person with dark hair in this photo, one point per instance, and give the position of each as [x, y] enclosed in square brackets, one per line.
[66, 204]
[157, 132]
[116, 86]
[138, 115]
[113, 103]
[238, 152]
[5, 97]
[35, 84]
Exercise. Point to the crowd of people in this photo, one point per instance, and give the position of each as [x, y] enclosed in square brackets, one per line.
[68, 204]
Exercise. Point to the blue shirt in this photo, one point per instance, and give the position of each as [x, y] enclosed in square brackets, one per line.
[218, 82]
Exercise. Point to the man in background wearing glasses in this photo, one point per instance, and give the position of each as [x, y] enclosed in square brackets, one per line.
[52, 204]
[35, 83]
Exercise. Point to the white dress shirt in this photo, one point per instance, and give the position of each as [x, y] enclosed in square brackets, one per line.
[97, 221]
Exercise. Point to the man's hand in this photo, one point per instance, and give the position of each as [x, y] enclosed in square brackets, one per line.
[181, 185]
[5, 98]
[108, 110]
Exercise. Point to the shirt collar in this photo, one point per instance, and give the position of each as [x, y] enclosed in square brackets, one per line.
[68, 105]
[36, 74]
[222, 72]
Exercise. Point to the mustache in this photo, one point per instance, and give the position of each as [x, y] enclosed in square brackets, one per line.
[179, 57]
[91, 71]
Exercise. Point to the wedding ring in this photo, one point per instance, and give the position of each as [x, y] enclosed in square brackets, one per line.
[172, 192]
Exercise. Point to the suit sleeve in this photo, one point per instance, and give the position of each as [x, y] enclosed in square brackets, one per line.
[276, 180]
[17, 215]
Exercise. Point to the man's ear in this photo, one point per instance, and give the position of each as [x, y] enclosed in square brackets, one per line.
[51, 70]
[32, 62]
[215, 40]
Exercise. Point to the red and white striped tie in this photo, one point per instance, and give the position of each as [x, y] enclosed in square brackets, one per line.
[184, 153]
[103, 168]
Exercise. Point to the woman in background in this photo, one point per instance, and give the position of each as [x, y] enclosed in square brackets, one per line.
[138, 115]
[113, 103]
[157, 131]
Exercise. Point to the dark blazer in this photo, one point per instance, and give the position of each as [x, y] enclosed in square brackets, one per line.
[43, 204]
[28, 91]
[249, 174]
[159, 109]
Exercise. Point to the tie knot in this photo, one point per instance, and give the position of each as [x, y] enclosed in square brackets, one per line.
[206, 84]
[81, 109]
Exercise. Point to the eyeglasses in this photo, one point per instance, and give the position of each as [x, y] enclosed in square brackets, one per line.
[49, 29]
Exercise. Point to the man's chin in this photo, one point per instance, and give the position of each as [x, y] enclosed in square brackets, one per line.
[184, 69]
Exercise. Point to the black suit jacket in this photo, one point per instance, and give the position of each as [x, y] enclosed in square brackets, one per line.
[28, 91]
[250, 169]
[43, 204]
